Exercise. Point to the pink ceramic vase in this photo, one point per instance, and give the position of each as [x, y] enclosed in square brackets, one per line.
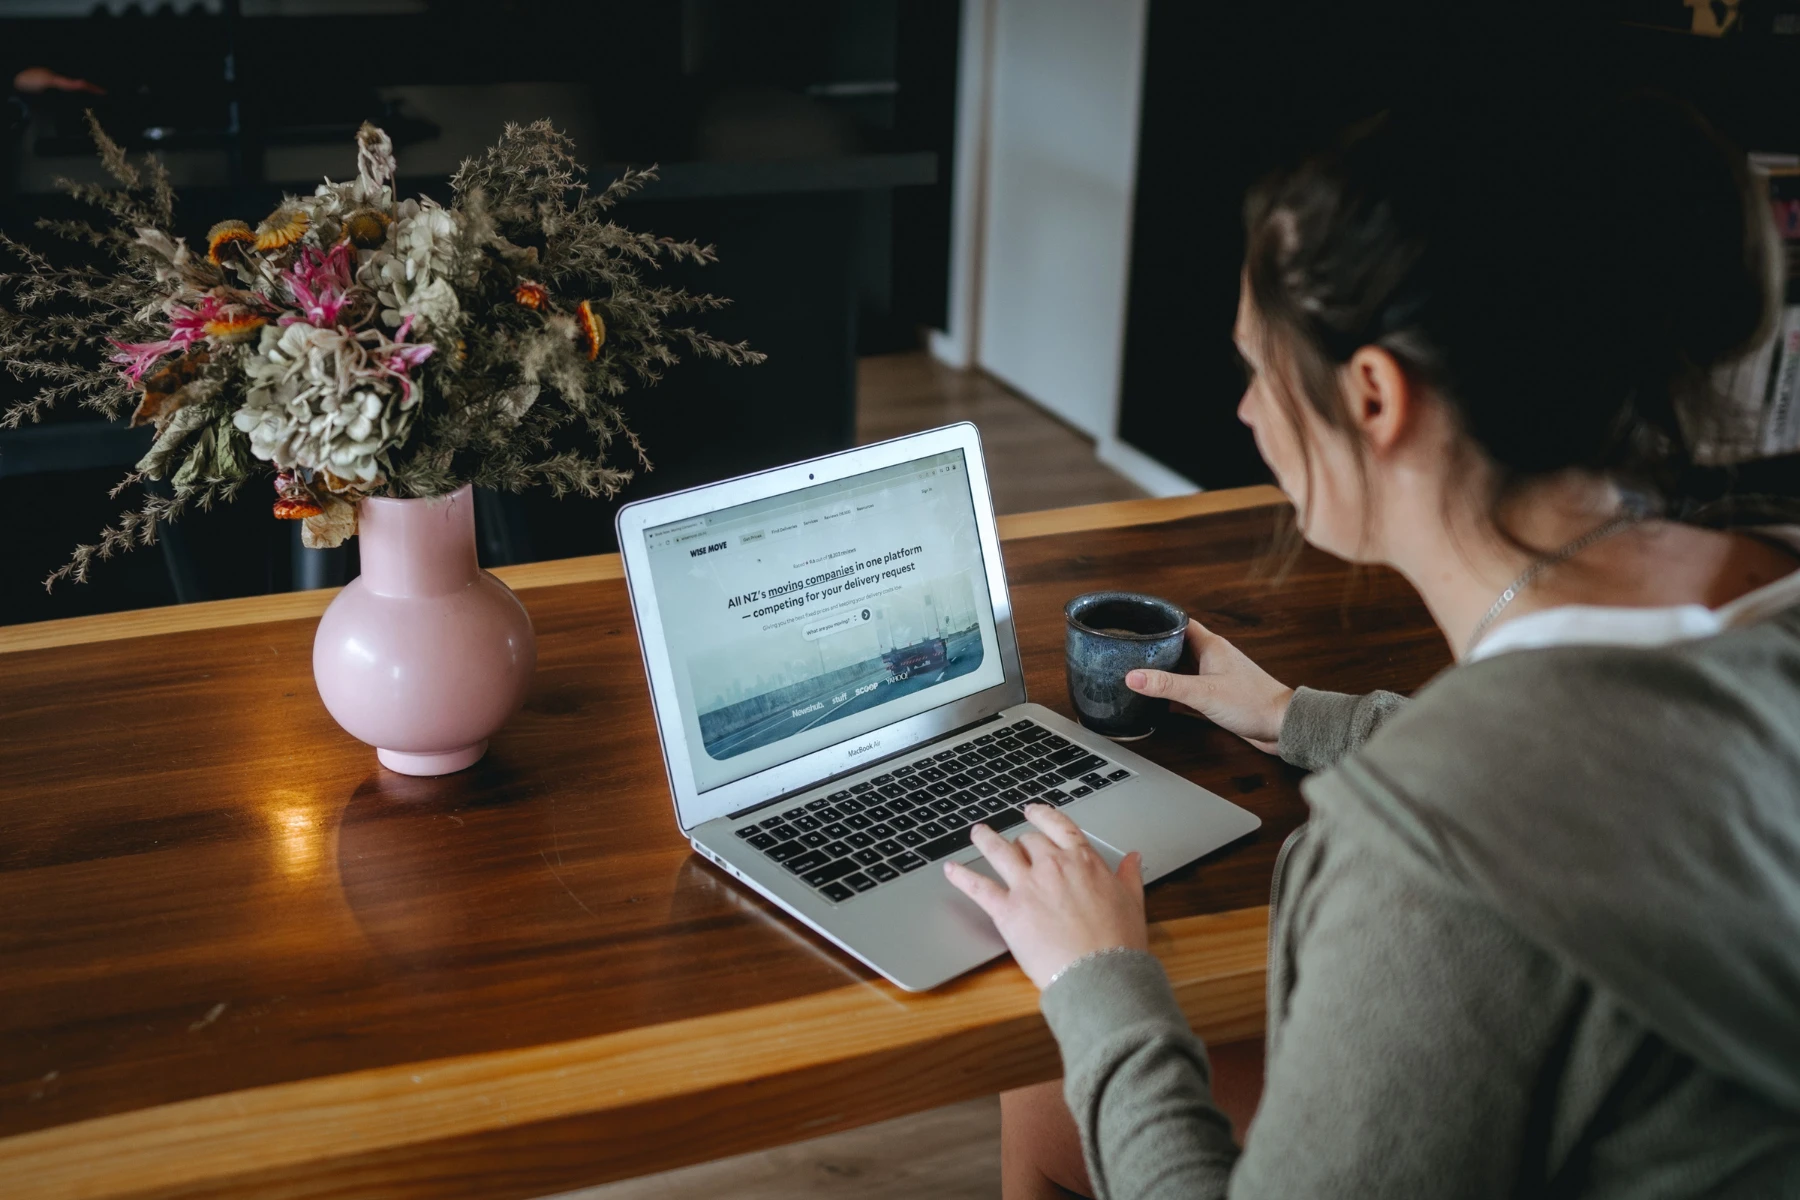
[424, 655]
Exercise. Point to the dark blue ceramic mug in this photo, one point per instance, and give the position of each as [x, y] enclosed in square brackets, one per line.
[1109, 634]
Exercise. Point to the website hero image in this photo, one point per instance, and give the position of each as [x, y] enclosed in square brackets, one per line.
[800, 621]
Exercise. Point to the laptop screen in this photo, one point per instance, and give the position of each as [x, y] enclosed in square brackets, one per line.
[812, 617]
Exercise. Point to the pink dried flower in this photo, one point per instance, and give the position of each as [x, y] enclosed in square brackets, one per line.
[395, 358]
[411, 355]
[185, 328]
[320, 285]
[138, 357]
[214, 318]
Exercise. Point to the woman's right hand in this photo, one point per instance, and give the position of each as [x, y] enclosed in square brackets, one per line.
[1229, 690]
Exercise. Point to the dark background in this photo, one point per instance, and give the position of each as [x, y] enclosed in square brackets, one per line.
[811, 141]
[808, 139]
[1232, 90]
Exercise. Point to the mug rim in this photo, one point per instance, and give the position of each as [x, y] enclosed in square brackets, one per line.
[1089, 598]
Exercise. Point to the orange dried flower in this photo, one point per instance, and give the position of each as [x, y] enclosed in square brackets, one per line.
[297, 508]
[227, 240]
[164, 389]
[284, 227]
[295, 501]
[366, 228]
[531, 294]
[593, 329]
[234, 327]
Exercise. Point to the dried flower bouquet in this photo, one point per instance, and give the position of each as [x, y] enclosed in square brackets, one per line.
[355, 344]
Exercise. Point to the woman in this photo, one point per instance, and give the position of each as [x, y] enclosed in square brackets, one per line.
[1541, 935]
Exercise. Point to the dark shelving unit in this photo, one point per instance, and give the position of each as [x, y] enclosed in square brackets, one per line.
[807, 139]
[1230, 91]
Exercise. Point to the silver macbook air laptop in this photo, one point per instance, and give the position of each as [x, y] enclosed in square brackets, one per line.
[837, 689]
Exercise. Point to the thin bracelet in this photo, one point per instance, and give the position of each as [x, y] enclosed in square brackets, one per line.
[1088, 957]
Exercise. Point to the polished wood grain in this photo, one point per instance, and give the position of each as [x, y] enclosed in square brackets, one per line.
[613, 1079]
[1115, 514]
[240, 959]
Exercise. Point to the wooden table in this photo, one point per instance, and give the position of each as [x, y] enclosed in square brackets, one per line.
[238, 958]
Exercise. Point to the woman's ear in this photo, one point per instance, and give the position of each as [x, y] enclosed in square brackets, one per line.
[1380, 397]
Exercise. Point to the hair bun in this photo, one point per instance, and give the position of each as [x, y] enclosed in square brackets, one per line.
[1567, 272]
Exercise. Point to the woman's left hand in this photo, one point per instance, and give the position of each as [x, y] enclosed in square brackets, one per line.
[1060, 900]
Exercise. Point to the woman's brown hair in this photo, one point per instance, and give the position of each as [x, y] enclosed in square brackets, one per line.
[1567, 275]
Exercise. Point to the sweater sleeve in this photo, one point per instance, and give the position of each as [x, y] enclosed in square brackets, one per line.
[1322, 727]
[1403, 1067]
[1138, 1082]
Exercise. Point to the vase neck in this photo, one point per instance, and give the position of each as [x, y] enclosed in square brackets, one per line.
[418, 547]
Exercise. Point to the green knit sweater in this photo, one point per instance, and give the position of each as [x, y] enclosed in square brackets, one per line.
[1541, 937]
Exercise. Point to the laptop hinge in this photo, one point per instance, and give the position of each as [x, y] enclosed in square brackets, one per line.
[859, 768]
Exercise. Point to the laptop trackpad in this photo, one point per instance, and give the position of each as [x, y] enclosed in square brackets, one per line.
[1112, 855]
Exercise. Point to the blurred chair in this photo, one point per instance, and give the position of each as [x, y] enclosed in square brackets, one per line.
[84, 445]
[502, 532]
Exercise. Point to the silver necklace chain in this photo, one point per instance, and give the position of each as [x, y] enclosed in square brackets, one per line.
[1618, 524]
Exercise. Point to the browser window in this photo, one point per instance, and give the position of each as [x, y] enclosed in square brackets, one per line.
[806, 619]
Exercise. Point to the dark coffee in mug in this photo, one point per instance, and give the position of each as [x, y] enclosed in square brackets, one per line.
[1108, 635]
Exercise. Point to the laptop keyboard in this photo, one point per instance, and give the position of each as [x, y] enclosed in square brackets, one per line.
[873, 832]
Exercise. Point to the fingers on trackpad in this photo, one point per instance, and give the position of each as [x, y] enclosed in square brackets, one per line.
[1110, 853]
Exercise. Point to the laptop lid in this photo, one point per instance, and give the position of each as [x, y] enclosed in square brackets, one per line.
[800, 622]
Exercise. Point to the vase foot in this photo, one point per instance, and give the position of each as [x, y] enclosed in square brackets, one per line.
[444, 763]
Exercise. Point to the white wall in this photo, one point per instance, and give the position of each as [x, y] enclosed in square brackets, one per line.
[1061, 158]
[955, 343]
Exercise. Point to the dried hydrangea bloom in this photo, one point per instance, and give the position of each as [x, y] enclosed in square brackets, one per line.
[322, 400]
[412, 278]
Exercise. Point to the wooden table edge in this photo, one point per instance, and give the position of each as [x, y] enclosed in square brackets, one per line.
[1216, 963]
[288, 606]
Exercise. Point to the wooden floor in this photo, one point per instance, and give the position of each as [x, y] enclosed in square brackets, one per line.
[948, 1153]
[1034, 461]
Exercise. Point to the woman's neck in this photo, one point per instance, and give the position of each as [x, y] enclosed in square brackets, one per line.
[1461, 566]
